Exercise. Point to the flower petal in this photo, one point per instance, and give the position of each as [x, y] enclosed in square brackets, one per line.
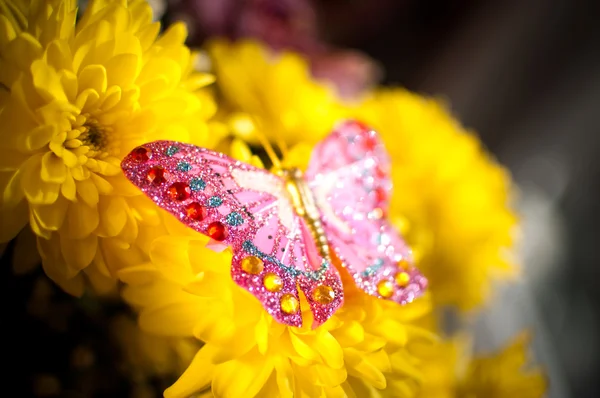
[196, 377]
[52, 216]
[82, 220]
[12, 220]
[175, 319]
[113, 215]
[78, 253]
[92, 77]
[243, 377]
[53, 168]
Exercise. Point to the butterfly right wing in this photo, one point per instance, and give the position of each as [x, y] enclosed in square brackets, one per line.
[247, 209]
[349, 176]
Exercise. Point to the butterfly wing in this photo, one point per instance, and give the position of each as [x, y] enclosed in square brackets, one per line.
[247, 209]
[349, 176]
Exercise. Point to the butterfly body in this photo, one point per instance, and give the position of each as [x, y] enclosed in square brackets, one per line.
[283, 229]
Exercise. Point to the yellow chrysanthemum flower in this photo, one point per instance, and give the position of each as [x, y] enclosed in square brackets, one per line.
[451, 200]
[257, 85]
[449, 372]
[75, 98]
[365, 349]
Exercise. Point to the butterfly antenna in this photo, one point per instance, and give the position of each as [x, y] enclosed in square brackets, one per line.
[265, 143]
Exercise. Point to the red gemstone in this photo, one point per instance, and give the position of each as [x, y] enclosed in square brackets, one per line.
[179, 191]
[140, 154]
[380, 172]
[195, 211]
[370, 142]
[217, 231]
[380, 195]
[157, 175]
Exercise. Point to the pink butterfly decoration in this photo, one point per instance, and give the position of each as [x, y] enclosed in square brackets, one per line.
[283, 228]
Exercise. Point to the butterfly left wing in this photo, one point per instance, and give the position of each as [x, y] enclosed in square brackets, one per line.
[247, 209]
[349, 176]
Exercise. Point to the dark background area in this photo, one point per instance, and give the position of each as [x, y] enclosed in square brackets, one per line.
[525, 76]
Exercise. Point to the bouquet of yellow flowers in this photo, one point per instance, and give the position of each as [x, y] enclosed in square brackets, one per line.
[82, 95]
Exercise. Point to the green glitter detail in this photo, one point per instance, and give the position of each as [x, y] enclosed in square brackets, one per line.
[197, 184]
[214, 201]
[184, 166]
[234, 219]
[172, 150]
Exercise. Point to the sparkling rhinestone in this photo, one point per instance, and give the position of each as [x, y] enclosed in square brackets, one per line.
[179, 191]
[404, 264]
[217, 231]
[402, 279]
[195, 211]
[273, 282]
[380, 195]
[385, 288]
[157, 175]
[197, 184]
[172, 150]
[234, 219]
[252, 265]
[323, 294]
[140, 154]
[184, 166]
[289, 304]
[214, 201]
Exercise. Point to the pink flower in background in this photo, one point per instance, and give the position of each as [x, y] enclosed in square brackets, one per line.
[281, 24]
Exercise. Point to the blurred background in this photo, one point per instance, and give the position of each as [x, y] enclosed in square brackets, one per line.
[523, 74]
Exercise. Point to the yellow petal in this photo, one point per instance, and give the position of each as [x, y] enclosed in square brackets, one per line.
[349, 334]
[139, 274]
[53, 168]
[285, 377]
[170, 256]
[82, 220]
[103, 186]
[68, 188]
[122, 70]
[12, 194]
[78, 253]
[261, 333]
[12, 220]
[196, 377]
[113, 215]
[175, 319]
[243, 377]
[39, 137]
[92, 77]
[52, 216]
[87, 99]
[87, 191]
[99, 282]
[47, 82]
[37, 191]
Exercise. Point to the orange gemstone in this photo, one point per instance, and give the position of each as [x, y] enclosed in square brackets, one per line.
[195, 211]
[217, 231]
[273, 282]
[404, 264]
[385, 288]
[140, 154]
[157, 175]
[252, 265]
[179, 191]
[402, 279]
[289, 304]
[324, 294]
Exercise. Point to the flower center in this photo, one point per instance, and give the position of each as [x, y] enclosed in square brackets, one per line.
[93, 136]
